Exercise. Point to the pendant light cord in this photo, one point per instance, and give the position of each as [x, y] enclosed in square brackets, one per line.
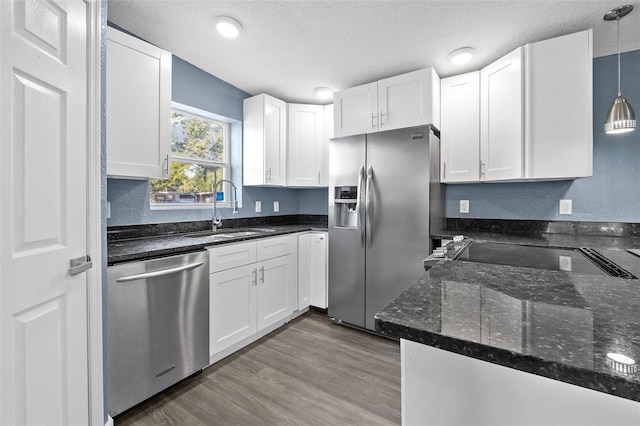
[618, 22]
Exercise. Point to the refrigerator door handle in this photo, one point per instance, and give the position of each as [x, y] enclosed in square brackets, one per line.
[359, 204]
[367, 206]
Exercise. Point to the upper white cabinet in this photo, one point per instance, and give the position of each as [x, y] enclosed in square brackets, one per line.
[264, 141]
[526, 131]
[460, 134]
[558, 113]
[138, 108]
[501, 135]
[406, 100]
[306, 145]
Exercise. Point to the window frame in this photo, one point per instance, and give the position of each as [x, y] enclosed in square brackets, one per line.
[225, 165]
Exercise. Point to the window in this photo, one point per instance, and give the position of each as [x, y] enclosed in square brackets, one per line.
[199, 157]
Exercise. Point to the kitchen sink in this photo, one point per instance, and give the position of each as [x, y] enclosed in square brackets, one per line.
[232, 234]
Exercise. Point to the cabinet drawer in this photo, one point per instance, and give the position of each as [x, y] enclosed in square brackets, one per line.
[232, 255]
[269, 248]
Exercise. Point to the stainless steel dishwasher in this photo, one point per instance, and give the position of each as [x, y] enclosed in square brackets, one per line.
[158, 325]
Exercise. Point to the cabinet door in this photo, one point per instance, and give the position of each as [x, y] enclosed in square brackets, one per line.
[232, 307]
[408, 100]
[275, 135]
[328, 134]
[276, 290]
[306, 145]
[318, 270]
[558, 139]
[138, 108]
[460, 133]
[304, 270]
[355, 110]
[264, 141]
[501, 135]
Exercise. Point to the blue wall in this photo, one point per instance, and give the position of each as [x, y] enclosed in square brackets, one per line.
[192, 86]
[612, 194]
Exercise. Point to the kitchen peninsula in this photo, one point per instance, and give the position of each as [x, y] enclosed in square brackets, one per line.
[496, 344]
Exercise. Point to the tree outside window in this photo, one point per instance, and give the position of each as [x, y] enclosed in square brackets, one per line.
[199, 152]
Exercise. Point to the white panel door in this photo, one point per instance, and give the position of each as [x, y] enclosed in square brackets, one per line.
[232, 307]
[43, 175]
[275, 140]
[460, 132]
[355, 110]
[276, 278]
[304, 270]
[305, 145]
[501, 134]
[318, 267]
[408, 100]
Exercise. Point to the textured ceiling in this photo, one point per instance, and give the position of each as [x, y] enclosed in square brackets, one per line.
[288, 48]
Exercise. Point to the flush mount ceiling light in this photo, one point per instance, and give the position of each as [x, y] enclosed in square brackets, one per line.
[461, 56]
[228, 27]
[324, 93]
[621, 118]
[621, 363]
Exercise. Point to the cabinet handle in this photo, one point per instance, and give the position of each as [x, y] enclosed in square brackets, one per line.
[254, 281]
[482, 168]
[269, 175]
[444, 170]
[373, 121]
[321, 238]
[262, 274]
[382, 114]
[165, 170]
[318, 177]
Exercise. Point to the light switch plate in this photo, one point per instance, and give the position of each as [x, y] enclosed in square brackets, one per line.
[464, 206]
[276, 206]
[565, 206]
[258, 206]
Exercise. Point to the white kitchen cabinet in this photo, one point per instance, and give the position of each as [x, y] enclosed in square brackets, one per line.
[558, 136]
[312, 270]
[138, 108]
[306, 145]
[328, 135]
[406, 100]
[355, 110]
[501, 129]
[253, 285]
[232, 307]
[460, 133]
[264, 141]
[526, 133]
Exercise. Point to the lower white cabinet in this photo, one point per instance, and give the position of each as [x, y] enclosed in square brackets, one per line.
[312, 270]
[253, 285]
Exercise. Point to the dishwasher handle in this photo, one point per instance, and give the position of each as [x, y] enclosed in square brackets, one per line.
[160, 272]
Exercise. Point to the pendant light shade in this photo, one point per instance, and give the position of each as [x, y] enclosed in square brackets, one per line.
[620, 118]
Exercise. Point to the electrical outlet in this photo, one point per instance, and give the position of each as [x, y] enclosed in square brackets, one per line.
[258, 206]
[565, 206]
[464, 206]
[276, 206]
[108, 210]
[565, 263]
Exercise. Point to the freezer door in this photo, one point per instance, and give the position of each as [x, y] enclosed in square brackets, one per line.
[397, 215]
[346, 229]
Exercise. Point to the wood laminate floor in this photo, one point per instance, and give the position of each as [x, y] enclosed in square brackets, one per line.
[309, 372]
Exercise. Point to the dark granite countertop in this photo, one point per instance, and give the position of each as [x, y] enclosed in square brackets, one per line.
[553, 324]
[126, 244]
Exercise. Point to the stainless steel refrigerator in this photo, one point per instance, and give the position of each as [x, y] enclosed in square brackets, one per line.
[385, 197]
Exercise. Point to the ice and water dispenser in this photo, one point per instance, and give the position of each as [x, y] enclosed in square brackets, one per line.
[346, 198]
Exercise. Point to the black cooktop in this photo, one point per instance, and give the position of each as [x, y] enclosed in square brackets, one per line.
[580, 261]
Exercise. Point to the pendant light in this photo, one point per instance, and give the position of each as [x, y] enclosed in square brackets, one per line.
[621, 118]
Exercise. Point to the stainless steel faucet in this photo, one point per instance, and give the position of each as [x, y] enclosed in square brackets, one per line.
[216, 222]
